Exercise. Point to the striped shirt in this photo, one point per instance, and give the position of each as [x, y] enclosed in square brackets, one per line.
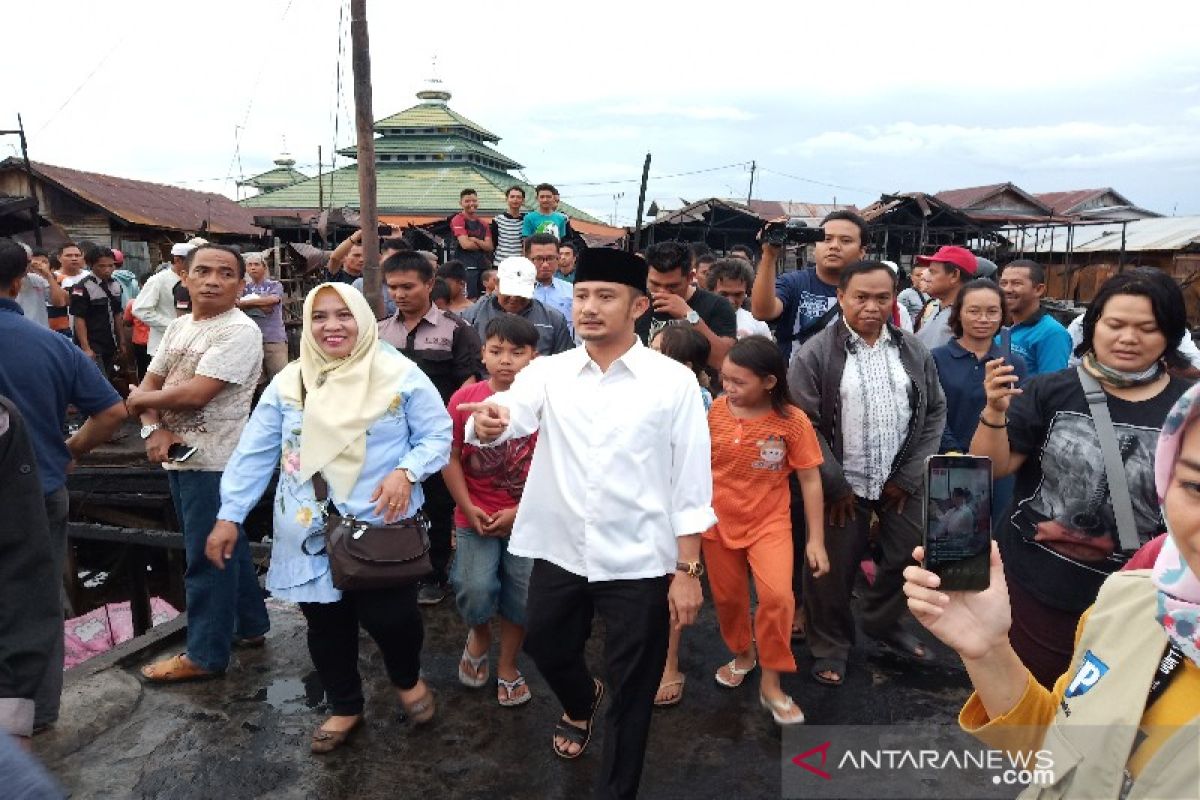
[506, 233]
[875, 413]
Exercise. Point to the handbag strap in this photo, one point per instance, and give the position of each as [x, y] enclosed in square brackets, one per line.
[1114, 466]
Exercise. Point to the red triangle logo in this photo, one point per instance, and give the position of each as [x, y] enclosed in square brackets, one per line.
[823, 750]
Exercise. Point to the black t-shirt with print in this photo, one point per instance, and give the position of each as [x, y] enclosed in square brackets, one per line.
[714, 310]
[1059, 539]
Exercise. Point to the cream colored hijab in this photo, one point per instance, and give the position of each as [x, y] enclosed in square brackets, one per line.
[344, 396]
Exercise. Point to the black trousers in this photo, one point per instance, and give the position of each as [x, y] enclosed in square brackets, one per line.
[559, 613]
[439, 507]
[392, 619]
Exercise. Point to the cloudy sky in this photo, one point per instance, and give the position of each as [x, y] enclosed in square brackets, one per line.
[831, 100]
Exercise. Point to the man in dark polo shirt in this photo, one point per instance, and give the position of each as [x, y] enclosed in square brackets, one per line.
[674, 300]
[448, 351]
[96, 307]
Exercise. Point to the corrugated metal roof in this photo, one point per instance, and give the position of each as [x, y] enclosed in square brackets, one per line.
[433, 114]
[274, 178]
[406, 189]
[153, 204]
[1065, 202]
[1161, 233]
[433, 145]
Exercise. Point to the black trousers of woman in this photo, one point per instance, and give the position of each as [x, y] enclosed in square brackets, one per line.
[390, 616]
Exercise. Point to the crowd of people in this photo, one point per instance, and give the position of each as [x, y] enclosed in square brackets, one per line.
[675, 415]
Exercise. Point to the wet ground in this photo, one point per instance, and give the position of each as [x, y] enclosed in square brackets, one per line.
[246, 736]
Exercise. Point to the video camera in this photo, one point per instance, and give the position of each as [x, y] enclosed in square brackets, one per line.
[793, 231]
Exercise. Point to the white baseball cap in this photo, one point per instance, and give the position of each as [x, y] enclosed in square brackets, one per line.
[517, 276]
[181, 249]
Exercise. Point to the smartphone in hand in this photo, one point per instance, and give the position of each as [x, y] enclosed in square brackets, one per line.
[958, 521]
[180, 452]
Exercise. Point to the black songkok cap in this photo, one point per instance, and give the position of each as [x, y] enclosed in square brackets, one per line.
[611, 266]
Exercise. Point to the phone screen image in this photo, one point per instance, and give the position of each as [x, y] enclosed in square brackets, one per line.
[958, 520]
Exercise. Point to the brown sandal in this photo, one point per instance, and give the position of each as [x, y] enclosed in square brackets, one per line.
[421, 710]
[326, 741]
[178, 669]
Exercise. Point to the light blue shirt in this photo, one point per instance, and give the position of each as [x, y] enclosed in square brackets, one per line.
[414, 433]
[559, 295]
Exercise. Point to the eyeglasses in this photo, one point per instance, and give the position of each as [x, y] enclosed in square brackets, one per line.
[544, 259]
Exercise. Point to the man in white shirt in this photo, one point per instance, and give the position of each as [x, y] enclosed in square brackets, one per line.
[155, 303]
[732, 278]
[624, 492]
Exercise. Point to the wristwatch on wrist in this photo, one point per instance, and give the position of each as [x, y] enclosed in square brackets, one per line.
[693, 569]
[692, 316]
[148, 430]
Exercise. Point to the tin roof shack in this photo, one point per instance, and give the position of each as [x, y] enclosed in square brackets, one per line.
[907, 225]
[142, 219]
[1082, 204]
[716, 222]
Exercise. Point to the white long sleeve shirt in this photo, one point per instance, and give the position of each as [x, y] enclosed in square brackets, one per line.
[621, 466]
[155, 306]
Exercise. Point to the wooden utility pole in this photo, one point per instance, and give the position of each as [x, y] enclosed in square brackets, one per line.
[320, 179]
[34, 212]
[636, 241]
[364, 122]
[750, 192]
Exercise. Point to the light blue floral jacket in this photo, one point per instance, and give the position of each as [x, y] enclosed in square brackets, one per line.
[414, 433]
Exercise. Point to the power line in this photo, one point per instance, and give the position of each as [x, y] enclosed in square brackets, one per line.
[817, 182]
[659, 177]
[79, 88]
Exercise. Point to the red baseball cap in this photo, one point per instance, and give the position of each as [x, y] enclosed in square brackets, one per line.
[960, 257]
[118, 256]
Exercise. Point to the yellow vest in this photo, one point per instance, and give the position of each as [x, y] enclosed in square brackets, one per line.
[1096, 725]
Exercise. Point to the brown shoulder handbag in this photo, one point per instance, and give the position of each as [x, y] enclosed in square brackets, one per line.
[363, 556]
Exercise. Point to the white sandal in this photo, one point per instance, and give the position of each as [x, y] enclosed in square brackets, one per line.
[782, 706]
[736, 672]
[477, 663]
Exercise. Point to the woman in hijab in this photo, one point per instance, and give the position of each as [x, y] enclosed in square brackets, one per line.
[1124, 719]
[357, 411]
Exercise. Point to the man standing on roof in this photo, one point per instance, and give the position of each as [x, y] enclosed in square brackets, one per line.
[474, 239]
[506, 226]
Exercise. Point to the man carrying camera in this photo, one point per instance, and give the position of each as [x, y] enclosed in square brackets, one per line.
[800, 304]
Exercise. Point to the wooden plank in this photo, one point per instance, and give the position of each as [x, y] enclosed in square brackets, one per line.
[142, 536]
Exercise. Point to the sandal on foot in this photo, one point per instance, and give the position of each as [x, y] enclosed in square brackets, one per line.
[420, 710]
[179, 669]
[508, 689]
[574, 734]
[739, 674]
[784, 706]
[834, 665]
[250, 642]
[326, 741]
[904, 645]
[670, 701]
[479, 671]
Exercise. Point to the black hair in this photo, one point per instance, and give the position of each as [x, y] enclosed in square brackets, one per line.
[961, 491]
[541, 238]
[1166, 301]
[742, 248]
[955, 321]
[409, 261]
[65, 245]
[568, 243]
[669, 256]
[864, 230]
[466, 192]
[1037, 273]
[454, 269]
[96, 253]
[513, 329]
[485, 275]
[13, 261]
[862, 268]
[545, 187]
[683, 343]
[761, 356]
[699, 249]
[440, 291]
[394, 243]
[513, 188]
[706, 258]
[39, 252]
[730, 269]
[86, 247]
[224, 248]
